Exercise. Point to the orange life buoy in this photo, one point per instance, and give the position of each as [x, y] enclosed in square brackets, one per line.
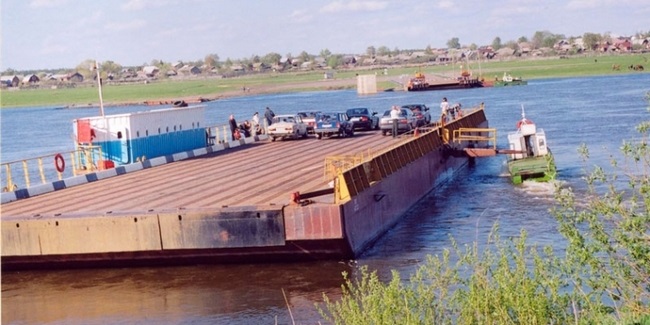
[59, 163]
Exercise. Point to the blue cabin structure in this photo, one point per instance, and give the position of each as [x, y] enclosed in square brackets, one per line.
[131, 137]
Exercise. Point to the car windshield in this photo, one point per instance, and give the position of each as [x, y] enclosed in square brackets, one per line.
[357, 111]
[327, 117]
[414, 108]
[308, 114]
[387, 113]
[288, 119]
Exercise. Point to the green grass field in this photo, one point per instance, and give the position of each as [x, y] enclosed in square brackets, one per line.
[211, 88]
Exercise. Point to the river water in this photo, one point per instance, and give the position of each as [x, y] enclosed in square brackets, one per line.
[600, 112]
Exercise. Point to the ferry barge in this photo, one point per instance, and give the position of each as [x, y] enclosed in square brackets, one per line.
[419, 83]
[248, 200]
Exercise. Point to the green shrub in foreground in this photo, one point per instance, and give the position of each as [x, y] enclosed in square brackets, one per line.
[603, 277]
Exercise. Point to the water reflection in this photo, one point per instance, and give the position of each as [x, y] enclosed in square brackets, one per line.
[222, 293]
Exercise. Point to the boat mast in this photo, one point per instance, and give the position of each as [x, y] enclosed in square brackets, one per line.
[99, 83]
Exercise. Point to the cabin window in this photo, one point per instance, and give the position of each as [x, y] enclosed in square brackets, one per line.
[174, 128]
[137, 134]
[119, 134]
[158, 130]
[192, 124]
[198, 125]
[180, 127]
[167, 129]
[146, 133]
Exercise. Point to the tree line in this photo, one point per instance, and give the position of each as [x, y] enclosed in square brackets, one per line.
[213, 62]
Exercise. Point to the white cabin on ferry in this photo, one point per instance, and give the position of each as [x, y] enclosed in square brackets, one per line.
[131, 137]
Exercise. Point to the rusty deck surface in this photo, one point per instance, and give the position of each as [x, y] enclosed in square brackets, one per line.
[255, 174]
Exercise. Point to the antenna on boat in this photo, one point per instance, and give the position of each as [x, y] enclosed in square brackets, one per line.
[99, 83]
[523, 113]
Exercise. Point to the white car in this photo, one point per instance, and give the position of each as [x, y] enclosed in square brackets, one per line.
[287, 126]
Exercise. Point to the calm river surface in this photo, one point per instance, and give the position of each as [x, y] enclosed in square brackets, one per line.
[598, 111]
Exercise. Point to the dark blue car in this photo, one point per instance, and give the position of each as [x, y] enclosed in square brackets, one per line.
[331, 124]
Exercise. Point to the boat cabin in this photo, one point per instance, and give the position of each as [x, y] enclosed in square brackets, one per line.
[527, 140]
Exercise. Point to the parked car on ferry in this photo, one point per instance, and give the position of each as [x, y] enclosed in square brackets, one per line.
[362, 118]
[331, 124]
[407, 122]
[421, 112]
[309, 118]
[287, 126]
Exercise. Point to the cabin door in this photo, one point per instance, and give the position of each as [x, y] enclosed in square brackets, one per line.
[125, 148]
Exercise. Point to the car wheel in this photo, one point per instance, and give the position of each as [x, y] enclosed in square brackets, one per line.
[383, 133]
[319, 136]
[272, 139]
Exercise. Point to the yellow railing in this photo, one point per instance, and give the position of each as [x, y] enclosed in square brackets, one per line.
[21, 174]
[476, 134]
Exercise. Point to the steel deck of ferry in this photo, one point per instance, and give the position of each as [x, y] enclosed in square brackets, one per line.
[261, 173]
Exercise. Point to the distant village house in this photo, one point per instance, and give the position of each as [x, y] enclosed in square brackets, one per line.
[31, 79]
[10, 81]
[150, 71]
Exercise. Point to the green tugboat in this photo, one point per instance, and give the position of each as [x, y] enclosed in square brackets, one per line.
[529, 157]
[509, 80]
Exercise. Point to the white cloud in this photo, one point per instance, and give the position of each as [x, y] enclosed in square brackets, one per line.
[353, 6]
[133, 5]
[301, 16]
[122, 26]
[84, 22]
[445, 4]
[51, 46]
[593, 4]
[46, 3]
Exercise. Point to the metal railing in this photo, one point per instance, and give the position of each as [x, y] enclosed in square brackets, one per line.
[221, 133]
[337, 165]
[24, 173]
[488, 135]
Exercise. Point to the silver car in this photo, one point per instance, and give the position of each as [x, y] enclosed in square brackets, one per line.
[407, 122]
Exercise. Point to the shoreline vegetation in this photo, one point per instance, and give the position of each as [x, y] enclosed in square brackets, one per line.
[389, 78]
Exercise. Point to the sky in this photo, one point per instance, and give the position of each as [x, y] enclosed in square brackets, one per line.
[61, 34]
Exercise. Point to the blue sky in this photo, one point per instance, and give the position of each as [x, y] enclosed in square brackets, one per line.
[50, 34]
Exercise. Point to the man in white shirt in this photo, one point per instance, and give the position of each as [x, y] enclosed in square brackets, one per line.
[394, 116]
[444, 107]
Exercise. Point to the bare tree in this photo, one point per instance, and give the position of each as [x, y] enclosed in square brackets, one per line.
[496, 43]
[212, 60]
[371, 51]
[453, 43]
[325, 53]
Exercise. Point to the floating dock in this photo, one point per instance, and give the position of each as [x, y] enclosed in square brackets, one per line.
[261, 201]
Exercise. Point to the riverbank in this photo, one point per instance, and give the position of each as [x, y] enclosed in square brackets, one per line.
[388, 78]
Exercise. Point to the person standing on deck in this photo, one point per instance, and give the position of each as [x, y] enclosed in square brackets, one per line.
[444, 107]
[256, 124]
[233, 125]
[268, 114]
[394, 116]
